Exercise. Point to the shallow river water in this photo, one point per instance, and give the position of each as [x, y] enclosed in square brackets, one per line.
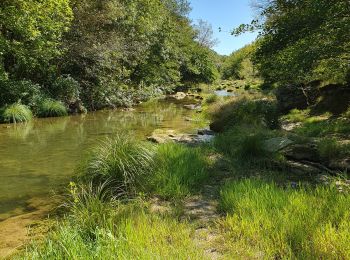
[40, 157]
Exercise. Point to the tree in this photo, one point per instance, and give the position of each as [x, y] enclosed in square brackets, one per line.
[205, 34]
[303, 40]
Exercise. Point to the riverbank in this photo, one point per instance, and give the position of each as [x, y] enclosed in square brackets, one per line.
[241, 195]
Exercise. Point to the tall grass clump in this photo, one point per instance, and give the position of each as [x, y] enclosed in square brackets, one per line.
[244, 111]
[99, 229]
[284, 223]
[180, 171]
[16, 113]
[330, 149]
[52, 108]
[243, 144]
[122, 160]
[212, 99]
[323, 128]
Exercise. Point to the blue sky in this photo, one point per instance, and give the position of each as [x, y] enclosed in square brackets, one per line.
[226, 14]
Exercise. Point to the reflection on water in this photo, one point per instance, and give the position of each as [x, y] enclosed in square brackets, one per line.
[40, 156]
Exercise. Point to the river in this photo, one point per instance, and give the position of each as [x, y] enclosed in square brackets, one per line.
[40, 157]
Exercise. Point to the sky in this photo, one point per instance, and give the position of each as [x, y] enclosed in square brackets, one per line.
[226, 14]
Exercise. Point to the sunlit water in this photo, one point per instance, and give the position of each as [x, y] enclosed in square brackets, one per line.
[40, 157]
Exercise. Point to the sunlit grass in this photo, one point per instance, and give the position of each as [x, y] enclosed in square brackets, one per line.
[122, 160]
[274, 222]
[180, 171]
[52, 108]
[16, 113]
[99, 229]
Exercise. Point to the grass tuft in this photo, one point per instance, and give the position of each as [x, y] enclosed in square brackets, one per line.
[122, 160]
[16, 113]
[52, 108]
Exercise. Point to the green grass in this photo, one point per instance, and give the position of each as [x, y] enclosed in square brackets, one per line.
[296, 115]
[324, 128]
[16, 113]
[52, 108]
[212, 99]
[330, 148]
[115, 231]
[122, 160]
[180, 170]
[244, 111]
[284, 223]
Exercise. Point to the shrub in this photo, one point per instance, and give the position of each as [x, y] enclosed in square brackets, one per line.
[51, 108]
[16, 113]
[180, 170]
[122, 160]
[211, 99]
[14, 91]
[305, 223]
[245, 111]
[65, 88]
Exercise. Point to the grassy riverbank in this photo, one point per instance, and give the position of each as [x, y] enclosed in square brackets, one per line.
[132, 199]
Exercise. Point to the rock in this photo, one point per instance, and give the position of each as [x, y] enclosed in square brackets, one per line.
[230, 90]
[289, 126]
[128, 109]
[340, 164]
[161, 136]
[179, 95]
[277, 144]
[192, 107]
[205, 132]
[299, 152]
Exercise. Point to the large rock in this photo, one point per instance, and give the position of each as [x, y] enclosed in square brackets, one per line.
[302, 152]
[179, 95]
[276, 144]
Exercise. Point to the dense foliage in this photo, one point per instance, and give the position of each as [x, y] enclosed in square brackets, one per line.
[303, 40]
[104, 53]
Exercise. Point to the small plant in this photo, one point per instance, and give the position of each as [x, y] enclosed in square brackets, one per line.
[122, 160]
[211, 99]
[17, 113]
[52, 108]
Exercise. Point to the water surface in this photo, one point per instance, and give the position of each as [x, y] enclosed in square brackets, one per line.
[40, 157]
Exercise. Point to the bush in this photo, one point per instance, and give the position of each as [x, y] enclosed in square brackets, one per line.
[212, 99]
[180, 171]
[52, 108]
[285, 223]
[24, 91]
[65, 88]
[245, 111]
[16, 113]
[122, 160]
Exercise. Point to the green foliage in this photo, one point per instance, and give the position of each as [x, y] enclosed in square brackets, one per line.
[66, 89]
[16, 113]
[303, 41]
[13, 91]
[238, 65]
[279, 222]
[31, 36]
[51, 108]
[212, 99]
[245, 111]
[179, 171]
[123, 161]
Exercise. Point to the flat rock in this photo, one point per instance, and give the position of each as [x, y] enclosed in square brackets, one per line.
[192, 107]
[277, 144]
